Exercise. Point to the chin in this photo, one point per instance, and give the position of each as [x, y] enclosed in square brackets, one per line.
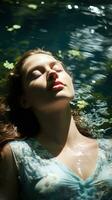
[65, 96]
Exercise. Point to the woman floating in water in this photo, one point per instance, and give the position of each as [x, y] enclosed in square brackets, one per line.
[43, 153]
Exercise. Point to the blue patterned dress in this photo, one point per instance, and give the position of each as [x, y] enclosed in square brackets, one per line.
[43, 177]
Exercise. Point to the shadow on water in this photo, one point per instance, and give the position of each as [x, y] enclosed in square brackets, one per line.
[79, 34]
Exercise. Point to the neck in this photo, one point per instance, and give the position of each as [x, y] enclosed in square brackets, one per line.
[57, 127]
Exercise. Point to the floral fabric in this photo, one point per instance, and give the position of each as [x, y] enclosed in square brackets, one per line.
[42, 177]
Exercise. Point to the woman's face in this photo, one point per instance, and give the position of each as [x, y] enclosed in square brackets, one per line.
[46, 83]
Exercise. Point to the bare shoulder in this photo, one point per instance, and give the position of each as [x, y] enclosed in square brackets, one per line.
[6, 156]
[6, 151]
[8, 175]
[7, 163]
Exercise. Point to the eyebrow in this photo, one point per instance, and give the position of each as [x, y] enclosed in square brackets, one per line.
[40, 66]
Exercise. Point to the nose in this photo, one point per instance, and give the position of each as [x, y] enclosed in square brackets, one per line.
[52, 75]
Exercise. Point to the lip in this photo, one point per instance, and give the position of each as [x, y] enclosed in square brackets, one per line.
[57, 85]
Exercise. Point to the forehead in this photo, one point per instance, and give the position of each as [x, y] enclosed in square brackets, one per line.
[37, 59]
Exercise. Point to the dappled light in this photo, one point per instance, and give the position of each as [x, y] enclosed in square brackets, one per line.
[79, 34]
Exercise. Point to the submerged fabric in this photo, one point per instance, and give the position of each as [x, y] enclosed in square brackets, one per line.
[42, 177]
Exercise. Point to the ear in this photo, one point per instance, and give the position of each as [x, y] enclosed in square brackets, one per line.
[24, 103]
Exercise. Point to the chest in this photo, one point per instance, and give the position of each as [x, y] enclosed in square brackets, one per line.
[45, 177]
[82, 160]
[50, 178]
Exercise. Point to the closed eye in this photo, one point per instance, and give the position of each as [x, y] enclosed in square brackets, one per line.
[37, 71]
[36, 74]
[58, 67]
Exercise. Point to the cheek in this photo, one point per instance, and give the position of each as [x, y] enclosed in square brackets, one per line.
[36, 84]
[34, 91]
[68, 80]
[70, 85]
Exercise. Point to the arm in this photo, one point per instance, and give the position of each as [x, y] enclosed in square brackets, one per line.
[8, 175]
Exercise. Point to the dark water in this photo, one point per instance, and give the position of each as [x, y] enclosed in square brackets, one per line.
[80, 34]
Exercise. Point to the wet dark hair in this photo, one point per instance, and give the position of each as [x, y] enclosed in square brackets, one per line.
[15, 121]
